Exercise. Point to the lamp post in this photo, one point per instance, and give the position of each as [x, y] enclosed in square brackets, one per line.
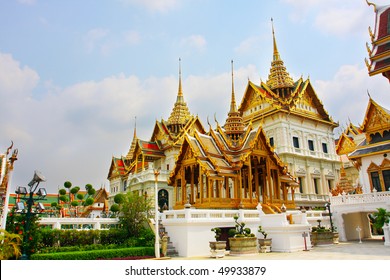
[327, 206]
[157, 235]
[34, 183]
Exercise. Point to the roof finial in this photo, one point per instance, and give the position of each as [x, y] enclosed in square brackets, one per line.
[233, 107]
[372, 4]
[180, 93]
[276, 52]
[135, 127]
[368, 93]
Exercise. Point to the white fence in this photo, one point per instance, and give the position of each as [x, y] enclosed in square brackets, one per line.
[374, 197]
[79, 223]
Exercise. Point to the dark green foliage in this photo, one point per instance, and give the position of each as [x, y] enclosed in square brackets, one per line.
[80, 196]
[134, 213]
[91, 192]
[67, 185]
[74, 203]
[62, 192]
[114, 208]
[380, 218]
[119, 198]
[240, 229]
[64, 198]
[96, 254]
[74, 190]
[89, 201]
[16, 224]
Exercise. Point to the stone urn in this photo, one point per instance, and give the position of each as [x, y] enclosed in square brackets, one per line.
[243, 246]
[323, 238]
[217, 249]
[265, 245]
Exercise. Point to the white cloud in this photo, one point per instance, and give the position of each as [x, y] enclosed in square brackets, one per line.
[340, 21]
[27, 2]
[15, 80]
[345, 96]
[94, 38]
[197, 42]
[154, 5]
[132, 37]
[249, 45]
[335, 17]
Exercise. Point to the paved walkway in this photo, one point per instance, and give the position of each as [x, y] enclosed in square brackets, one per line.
[353, 250]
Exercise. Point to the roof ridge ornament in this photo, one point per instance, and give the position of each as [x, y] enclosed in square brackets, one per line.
[372, 4]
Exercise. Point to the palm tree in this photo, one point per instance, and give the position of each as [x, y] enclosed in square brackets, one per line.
[9, 245]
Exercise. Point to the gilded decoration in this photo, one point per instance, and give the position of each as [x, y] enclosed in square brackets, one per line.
[345, 145]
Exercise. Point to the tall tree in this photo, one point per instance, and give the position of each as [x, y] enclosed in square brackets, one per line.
[134, 212]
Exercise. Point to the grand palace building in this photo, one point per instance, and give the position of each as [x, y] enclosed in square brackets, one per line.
[276, 148]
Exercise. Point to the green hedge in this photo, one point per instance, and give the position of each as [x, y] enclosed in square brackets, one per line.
[96, 254]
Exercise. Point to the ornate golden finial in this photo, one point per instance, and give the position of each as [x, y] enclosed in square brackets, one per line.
[278, 77]
[180, 113]
[10, 147]
[372, 4]
[371, 34]
[180, 92]
[233, 107]
[276, 52]
[368, 49]
[367, 64]
[135, 127]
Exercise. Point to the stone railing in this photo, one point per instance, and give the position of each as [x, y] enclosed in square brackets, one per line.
[209, 215]
[79, 223]
[373, 197]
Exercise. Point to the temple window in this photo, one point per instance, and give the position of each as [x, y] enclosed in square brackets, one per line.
[386, 179]
[300, 179]
[271, 141]
[316, 185]
[325, 148]
[375, 181]
[296, 142]
[310, 143]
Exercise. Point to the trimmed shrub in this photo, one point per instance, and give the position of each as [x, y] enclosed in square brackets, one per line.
[96, 254]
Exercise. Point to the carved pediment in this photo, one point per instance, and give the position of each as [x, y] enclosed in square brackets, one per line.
[345, 145]
[372, 167]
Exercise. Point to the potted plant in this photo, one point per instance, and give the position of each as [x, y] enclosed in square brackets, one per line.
[320, 235]
[242, 241]
[218, 247]
[264, 243]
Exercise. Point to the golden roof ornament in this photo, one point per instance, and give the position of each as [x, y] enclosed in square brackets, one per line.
[278, 77]
[234, 126]
[180, 113]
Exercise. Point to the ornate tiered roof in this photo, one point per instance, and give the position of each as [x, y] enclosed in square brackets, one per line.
[278, 77]
[281, 93]
[376, 127]
[379, 55]
[180, 112]
[234, 126]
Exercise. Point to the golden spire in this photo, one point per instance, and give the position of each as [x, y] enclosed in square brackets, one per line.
[278, 77]
[233, 107]
[234, 126]
[129, 155]
[180, 113]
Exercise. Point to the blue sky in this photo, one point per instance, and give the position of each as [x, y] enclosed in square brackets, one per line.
[74, 74]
